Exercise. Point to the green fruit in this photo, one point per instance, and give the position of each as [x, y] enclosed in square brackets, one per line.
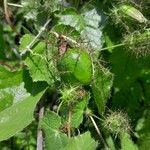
[129, 12]
[75, 66]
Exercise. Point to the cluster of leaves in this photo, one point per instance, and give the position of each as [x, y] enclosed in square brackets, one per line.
[111, 39]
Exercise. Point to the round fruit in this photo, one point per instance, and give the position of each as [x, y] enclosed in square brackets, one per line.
[75, 66]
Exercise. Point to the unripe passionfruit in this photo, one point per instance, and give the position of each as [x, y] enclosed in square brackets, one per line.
[75, 66]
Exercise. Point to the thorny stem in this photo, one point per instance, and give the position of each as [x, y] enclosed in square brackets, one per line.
[28, 48]
[98, 131]
[39, 134]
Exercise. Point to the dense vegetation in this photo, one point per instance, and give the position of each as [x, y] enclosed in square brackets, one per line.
[75, 74]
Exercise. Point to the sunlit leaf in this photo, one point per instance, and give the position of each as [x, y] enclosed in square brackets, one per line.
[17, 102]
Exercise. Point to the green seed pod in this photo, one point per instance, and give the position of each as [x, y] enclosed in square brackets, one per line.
[117, 122]
[130, 13]
[75, 66]
[138, 43]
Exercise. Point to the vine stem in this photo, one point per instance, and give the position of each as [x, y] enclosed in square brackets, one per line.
[28, 48]
[98, 131]
[39, 133]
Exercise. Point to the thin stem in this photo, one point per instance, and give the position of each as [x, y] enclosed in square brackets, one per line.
[15, 5]
[28, 48]
[69, 123]
[39, 134]
[98, 131]
[118, 45]
[97, 117]
[58, 109]
[7, 14]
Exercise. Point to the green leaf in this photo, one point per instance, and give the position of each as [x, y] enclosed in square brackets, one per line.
[72, 18]
[110, 143]
[17, 102]
[72, 65]
[81, 142]
[144, 142]
[101, 87]
[129, 102]
[18, 116]
[142, 128]
[6, 100]
[38, 68]
[94, 19]
[87, 24]
[25, 41]
[125, 67]
[37, 62]
[78, 111]
[7, 78]
[127, 143]
[54, 139]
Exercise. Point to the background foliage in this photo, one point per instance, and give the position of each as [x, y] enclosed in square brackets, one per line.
[40, 108]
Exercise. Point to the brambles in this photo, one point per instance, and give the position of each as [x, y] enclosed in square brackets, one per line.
[65, 65]
[75, 66]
